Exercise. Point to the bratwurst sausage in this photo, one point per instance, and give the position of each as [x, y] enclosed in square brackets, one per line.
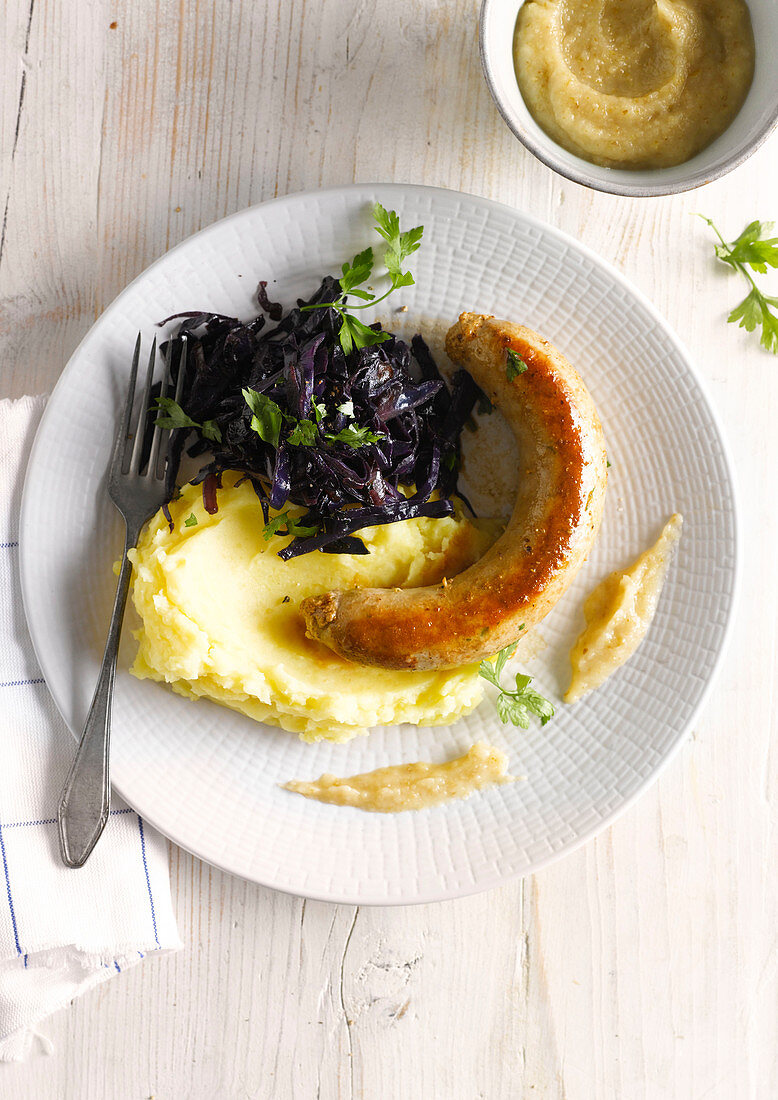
[554, 522]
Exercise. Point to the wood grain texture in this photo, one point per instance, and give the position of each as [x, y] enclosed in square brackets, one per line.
[643, 966]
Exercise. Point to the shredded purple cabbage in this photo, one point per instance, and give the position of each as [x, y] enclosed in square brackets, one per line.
[395, 390]
[274, 310]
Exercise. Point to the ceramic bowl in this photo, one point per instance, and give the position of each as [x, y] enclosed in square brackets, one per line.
[757, 118]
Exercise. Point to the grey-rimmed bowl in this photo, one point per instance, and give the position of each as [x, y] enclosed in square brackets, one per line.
[757, 118]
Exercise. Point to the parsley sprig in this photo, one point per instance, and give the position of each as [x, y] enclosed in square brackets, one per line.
[354, 333]
[171, 415]
[754, 248]
[517, 706]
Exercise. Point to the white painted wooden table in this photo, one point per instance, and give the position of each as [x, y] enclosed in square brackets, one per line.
[646, 964]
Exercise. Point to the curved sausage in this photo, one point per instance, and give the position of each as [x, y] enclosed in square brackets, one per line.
[554, 522]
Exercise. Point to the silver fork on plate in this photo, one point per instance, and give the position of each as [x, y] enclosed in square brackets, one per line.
[85, 802]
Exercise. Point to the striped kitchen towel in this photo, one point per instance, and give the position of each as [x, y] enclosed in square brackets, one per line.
[62, 931]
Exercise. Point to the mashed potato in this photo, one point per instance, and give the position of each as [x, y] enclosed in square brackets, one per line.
[221, 620]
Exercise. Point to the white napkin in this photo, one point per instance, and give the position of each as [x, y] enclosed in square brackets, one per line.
[62, 931]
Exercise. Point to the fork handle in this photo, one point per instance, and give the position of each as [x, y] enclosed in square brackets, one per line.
[86, 796]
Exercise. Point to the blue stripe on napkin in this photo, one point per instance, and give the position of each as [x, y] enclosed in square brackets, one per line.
[148, 880]
[8, 891]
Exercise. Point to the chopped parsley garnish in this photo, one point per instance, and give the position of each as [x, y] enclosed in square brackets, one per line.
[171, 415]
[353, 332]
[516, 707]
[754, 249]
[290, 525]
[269, 418]
[304, 434]
[191, 520]
[515, 365]
[353, 436]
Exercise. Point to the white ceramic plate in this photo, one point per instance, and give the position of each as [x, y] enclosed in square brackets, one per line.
[208, 778]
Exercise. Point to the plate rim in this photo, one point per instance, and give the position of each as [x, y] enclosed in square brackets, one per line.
[489, 881]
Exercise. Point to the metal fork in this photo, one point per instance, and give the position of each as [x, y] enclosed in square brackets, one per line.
[85, 802]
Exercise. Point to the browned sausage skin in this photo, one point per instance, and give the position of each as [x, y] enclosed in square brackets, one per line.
[554, 522]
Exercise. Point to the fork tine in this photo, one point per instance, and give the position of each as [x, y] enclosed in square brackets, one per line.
[180, 379]
[140, 424]
[120, 444]
[156, 439]
[181, 368]
[168, 464]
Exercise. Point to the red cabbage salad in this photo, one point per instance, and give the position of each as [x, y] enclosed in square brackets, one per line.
[320, 410]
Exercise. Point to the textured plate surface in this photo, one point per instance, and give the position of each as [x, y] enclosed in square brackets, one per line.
[209, 778]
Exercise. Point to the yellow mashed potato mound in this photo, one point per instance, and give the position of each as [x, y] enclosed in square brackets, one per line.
[221, 619]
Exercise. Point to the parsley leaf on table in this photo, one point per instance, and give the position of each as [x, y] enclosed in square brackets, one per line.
[516, 707]
[752, 249]
[755, 310]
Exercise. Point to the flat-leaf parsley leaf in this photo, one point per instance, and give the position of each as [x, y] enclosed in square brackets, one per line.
[304, 434]
[754, 249]
[515, 365]
[267, 418]
[290, 525]
[516, 707]
[354, 333]
[354, 435]
[171, 415]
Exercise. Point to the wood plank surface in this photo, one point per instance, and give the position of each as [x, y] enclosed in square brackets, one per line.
[645, 965]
